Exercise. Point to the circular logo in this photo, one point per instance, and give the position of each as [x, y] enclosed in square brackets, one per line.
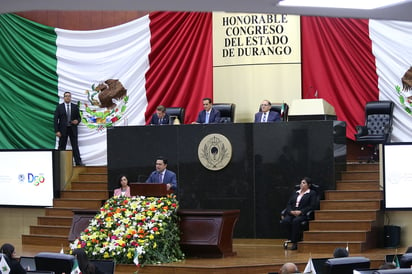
[214, 151]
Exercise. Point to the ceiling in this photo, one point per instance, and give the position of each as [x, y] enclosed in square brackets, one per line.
[401, 12]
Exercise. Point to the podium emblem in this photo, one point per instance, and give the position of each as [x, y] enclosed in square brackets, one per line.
[214, 151]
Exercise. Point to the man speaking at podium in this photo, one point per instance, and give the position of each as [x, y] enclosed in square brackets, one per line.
[162, 175]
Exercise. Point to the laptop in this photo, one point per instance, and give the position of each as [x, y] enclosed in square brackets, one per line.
[28, 263]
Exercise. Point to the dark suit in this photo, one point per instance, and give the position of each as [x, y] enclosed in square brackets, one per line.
[168, 178]
[214, 116]
[67, 129]
[156, 121]
[307, 203]
[272, 117]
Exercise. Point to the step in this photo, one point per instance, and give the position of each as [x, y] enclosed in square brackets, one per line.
[82, 194]
[362, 167]
[59, 211]
[346, 214]
[329, 246]
[78, 185]
[79, 203]
[360, 175]
[50, 230]
[54, 220]
[350, 204]
[325, 225]
[92, 177]
[336, 235]
[46, 240]
[353, 194]
[96, 169]
[358, 185]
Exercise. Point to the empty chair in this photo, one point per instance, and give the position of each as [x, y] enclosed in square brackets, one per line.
[345, 265]
[227, 112]
[406, 260]
[56, 262]
[176, 112]
[378, 125]
[105, 266]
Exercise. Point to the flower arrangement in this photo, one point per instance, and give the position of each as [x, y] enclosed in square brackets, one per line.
[143, 230]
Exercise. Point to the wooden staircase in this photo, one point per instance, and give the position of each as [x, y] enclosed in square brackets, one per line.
[350, 215]
[87, 191]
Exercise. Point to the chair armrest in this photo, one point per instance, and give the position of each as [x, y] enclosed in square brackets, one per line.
[361, 131]
[282, 214]
[388, 129]
[310, 214]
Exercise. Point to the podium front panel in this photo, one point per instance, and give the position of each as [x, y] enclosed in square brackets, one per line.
[267, 161]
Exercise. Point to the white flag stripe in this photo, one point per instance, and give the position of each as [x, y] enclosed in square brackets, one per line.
[4, 267]
[91, 57]
[309, 267]
[391, 46]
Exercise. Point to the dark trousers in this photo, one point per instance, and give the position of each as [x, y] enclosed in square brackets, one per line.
[73, 140]
[293, 225]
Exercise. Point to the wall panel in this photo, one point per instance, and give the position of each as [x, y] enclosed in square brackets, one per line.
[82, 20]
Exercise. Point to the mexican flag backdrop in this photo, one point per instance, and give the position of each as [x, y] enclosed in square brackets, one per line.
[166, 58]
[151, 57]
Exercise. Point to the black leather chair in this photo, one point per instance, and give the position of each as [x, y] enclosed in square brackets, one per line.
[378, 125]
[105, 266]
[56, 262]
[345, 265]
[394, 271]
[310, 214]
[278, 108]
[176, 112]
[227, 112]
[406, 260]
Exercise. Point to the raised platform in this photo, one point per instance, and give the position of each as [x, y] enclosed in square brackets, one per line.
[253, 256]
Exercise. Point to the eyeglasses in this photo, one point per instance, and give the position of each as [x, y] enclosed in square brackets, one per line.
[264, 105]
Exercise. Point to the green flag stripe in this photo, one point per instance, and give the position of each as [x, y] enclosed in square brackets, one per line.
[28, 83]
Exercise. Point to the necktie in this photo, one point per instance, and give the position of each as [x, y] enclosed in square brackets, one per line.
[68, 114]
[207, 118]
[160, 178]
[264, 118]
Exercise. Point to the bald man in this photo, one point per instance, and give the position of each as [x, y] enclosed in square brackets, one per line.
[288, 268]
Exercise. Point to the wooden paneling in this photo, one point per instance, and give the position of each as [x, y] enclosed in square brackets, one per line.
[82, 20]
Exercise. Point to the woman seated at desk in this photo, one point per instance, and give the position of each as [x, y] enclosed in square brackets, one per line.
[124, 189]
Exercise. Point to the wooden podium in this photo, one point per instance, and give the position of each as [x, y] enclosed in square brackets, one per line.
[81, 220]
[207, 233]
[149, 189]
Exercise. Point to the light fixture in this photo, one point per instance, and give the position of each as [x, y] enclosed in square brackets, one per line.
[341, 4]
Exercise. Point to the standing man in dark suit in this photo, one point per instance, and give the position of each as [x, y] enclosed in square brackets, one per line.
[208, 115]
[163, 175]
[160, 117]
[265, 115]
[66, 119]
